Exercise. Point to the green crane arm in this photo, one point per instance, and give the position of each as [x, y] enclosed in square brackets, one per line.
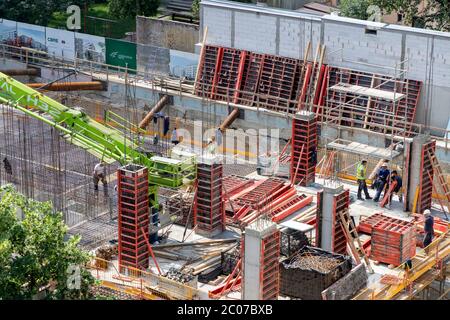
[103, 142]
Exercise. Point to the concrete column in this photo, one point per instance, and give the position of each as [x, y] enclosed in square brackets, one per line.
[254, 234]
[209, 207]
[328, 216]
[414, 169]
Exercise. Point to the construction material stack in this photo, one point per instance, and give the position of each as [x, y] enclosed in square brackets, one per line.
[209, 211]
[133, 216]
[393, 242]
[304, 148]
[307, 273]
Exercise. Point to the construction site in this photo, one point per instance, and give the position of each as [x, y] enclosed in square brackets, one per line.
[256, 178]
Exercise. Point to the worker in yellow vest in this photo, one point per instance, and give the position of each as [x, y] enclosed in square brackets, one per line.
[361, 171]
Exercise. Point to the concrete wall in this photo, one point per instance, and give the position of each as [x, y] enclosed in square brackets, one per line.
[259, 29]
[168, 34]
[423, 53]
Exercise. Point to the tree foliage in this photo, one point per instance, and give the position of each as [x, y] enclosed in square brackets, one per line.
[355, 8]
[35, 11]
[35, 251]
[196, 8]
[123, 9]
[430, 14]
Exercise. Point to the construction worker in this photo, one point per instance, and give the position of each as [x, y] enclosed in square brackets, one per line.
[175, 140]
[219, 136]
[99, 174]
[398, 188]
[381, 180]
[361, 170]
[212, 145]
[428, 228]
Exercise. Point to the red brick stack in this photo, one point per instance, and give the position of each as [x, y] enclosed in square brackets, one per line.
[393, 242]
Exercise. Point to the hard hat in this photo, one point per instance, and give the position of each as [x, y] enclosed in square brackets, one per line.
[427, 212]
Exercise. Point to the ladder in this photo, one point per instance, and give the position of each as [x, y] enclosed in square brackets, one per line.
[351, 235]
[387, 194]
[327, 166]
[441, 179]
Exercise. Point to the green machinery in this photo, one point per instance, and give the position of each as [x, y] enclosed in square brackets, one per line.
[106, 143]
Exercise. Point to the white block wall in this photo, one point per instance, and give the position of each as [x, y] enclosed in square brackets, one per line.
[254, 32]
[286, 33]
[352, 43]
[219, 26]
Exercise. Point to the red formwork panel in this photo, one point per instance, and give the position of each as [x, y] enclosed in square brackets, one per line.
[233, 184]
[251, 75]
[393, 242]
[207, 71]
[376, 111]
[426, 177]
[133, 215]
[209, 211]
[276, 83]
[228, 75]
[269, 266]
[341, 203]
[304, 136]
[262, 194]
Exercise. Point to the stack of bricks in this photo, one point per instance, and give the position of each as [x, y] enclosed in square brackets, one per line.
[133, 216]
[304, 137]
[393, 242]
[209, 213]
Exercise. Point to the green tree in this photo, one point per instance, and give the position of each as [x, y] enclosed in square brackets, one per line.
[355, 8]
[122, 9]
[35, 251]
[430, 14]
[35, 11]
[196, 8]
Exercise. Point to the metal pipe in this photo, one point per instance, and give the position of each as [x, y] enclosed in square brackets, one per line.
[70, 86]
[22, 72]
[229, 119]
[158, 107]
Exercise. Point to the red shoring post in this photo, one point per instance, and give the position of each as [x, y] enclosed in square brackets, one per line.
[319, 85]
[294, 178]
[217, 71]
[151, 250]
[230, 277]
[119, 216]
[240, 75]
[301, 100]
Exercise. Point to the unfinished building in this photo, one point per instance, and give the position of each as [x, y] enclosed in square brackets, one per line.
[197, 208]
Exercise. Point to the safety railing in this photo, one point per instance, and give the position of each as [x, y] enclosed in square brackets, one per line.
[183, 86]
[139, 282]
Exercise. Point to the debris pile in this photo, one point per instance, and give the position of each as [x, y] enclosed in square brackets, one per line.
[182, 207]
[185, 276]
[292, 241]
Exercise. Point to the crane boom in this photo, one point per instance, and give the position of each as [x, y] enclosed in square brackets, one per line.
[107, 144]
